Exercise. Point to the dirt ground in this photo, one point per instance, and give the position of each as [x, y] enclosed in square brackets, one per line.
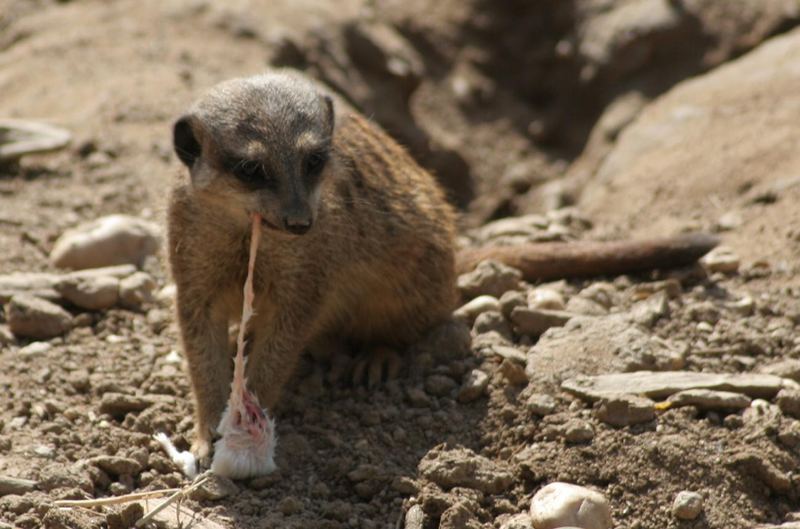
[504, 139]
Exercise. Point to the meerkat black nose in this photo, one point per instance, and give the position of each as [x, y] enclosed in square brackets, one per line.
[296, 225]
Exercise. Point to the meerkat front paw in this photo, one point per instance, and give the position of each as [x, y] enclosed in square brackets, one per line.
[376, 365]
[203, 451]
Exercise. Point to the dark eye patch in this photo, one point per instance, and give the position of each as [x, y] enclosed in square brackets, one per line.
[251, 173]
[248, 170]
[315, 162]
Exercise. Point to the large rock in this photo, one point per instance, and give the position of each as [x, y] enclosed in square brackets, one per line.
[111, 240]
[731, 133]
[589, 345]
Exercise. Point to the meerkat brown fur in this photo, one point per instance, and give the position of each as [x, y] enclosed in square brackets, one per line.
[358, 240]
[357, 244]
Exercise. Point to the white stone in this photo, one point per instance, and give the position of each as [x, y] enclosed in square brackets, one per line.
[546, 298]
[564, 504]
[470, 310]
[111, 240]
[721, 259]
[34, 350]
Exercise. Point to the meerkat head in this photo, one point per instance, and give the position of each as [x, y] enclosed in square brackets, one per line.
[260, 145]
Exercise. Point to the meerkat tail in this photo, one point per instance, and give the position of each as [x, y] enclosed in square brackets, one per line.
[557, 260]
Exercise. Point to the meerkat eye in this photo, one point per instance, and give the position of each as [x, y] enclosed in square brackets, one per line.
[248, 171]
[315, 161]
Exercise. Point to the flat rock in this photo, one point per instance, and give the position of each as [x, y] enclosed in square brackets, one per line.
[559, 505]
[659, 385]
[509, 353]
[461, 467]
[111, 240]
[706, 399]
[31, 317]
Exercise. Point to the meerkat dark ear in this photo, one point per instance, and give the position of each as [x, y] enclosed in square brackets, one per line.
[185, 142]
[329, 107]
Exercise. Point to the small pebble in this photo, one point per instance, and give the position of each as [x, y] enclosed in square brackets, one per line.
[577, 431]
[546, 298]
[489, 278]
[541, 404]
[470, 310]
[721, 259]
[513, 372]
[439, 385]
[788, 400]
[492, 320]
[473, 386]
[624, 410]
[136, 290]
[34, 350]
[687, 505]
[511, 300]
[533, 322]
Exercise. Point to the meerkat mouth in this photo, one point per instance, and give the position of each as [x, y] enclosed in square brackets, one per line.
[266, 223]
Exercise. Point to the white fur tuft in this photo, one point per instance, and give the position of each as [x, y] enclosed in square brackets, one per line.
[183, 459]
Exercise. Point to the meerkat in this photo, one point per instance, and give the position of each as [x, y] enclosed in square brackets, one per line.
[358, 239]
